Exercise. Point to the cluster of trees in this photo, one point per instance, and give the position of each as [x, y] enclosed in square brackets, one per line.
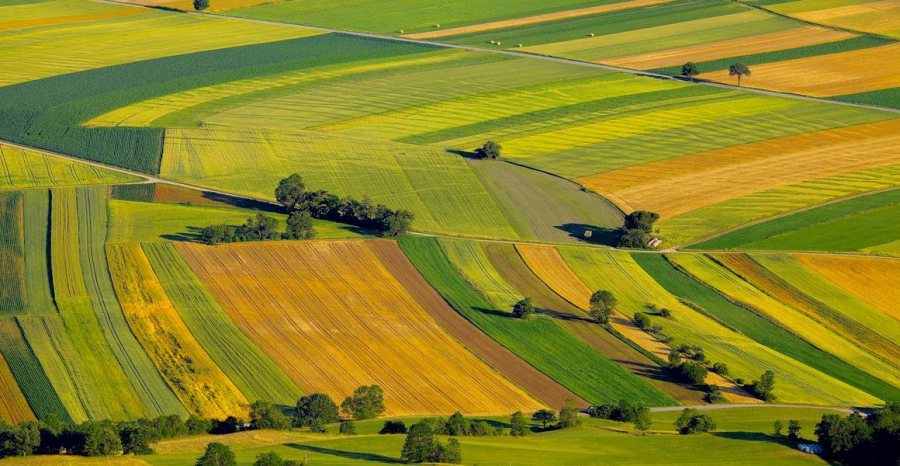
[690, 69]
[292, 194]
[636, 232]
[692, 421]
[794, 428]
[690, 364]
[421, 446]
[318, 409]
[490, 150]
[854, 440]
[624, 411]
[763, 387]
[550, 420]
[219, 454]
[258, 228]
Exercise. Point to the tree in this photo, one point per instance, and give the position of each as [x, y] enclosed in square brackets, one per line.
[268, 459]
[196, 425]
[720, 368]
[452, 453]
[136, 439]
[689, 70]
[490, 150]
[693, 372]
[300, 225]
[568, 416]
[641, 220]
[518, 426]
[260, 227]
[315, 410]
[393, 427]
[290, 191]
[634, 239]
[217, 454]
[367, 402]
[93, 438]
[50, 430]
[777, 427]
[794, 429]
[396, 223]
[21, 440]
[348, 428]
[523, 309]
[230, 425]
[200, 5]
[692, 422]
[764, 386]
[674, 357]
[265, 415]
[544, 417]
[642, 320]
[643, 421]
[602, 304]
[420, 443]
[740, 70]
[457, 424]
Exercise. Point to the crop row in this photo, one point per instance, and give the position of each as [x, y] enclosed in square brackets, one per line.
[12, 255]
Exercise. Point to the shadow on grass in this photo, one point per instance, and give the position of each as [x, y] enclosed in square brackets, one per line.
[755, 437]
[193, 234]
[599, 235]
[346, 454]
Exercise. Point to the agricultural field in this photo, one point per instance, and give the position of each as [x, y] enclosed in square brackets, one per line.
[333, 319]
[12, 254]
[29, 374]
[878, 17]
[20, 168]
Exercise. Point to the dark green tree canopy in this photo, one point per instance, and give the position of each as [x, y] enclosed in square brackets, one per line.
[217, 454]
[367, 402]
[689, 70]
[490, 150]
[290, 191]
[523, 309]
[315, 410]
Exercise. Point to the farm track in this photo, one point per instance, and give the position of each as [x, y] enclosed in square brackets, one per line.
[517, 54]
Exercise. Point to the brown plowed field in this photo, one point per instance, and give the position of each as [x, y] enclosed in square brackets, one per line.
[334, 318]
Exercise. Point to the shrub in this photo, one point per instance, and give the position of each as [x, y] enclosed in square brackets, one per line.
[490, 150]
[623, 411]
[642, 320]
[265, 415]
[268, 459]
[720, 368]
[523, 309]
[518, 426]
[714, 394]
[393, 427]
[692, 372]
[692, 422]
[348, 428]
[421, 446]
[568, 416]
[794, 429]
[217, 454]
[230, 425]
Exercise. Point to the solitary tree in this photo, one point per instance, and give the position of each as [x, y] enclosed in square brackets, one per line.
[315, 411]
[217, 454]
[778, 426]
[523, 309]
[764, 386]
[643, 421]
[518, 426]
[602, 304]
[740, 70]
[544, 417]
[367, 402]
[794, 429]
[689, 70]
[568, 416]
[201, 5]
[692, 422]
[490, 150]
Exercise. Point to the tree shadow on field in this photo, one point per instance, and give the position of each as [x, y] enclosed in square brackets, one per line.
[755, 437]
[493, 312]
[243, 202]
[464, 154]
[193, 234]
[346, 454]
[599, 235]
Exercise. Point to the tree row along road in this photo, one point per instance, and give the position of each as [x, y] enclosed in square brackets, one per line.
[510, 53]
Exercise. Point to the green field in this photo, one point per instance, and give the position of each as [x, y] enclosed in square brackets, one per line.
[21, 168]
[759, 328]
[12, 254]
[242, 361]
[541, 342]
[30, 375]
[37, 242]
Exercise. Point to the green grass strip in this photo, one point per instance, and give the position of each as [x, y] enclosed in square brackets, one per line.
[246, 365]
[29, 373]
[758, 328]
[761, 231]
[883, 98]
[540, 342]
[37, 252]
[855, 43]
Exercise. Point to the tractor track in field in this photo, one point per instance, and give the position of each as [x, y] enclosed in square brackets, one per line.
[511, 53]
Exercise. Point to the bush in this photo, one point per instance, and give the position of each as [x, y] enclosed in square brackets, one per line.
[348, 428]
[665, 313]
[265, 415]
[642, 320]
[490, 150]
[634, 239]
[268, 459]
[763, 387]
[623, 411]
[692, 372]
[393, 427]
[720, 368]
[568, 416]
[421, 446]
[714, 394]
[692, 422]
[230, 425]
[523, 309]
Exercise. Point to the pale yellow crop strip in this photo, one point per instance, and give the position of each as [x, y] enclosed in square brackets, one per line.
[557, 16]
[873, 280]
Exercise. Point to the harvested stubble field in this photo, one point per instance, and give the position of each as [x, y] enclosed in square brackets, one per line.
[875, 281]
[464, 276]
[333, 318]
[635, 289]
[190, 372]
[242, 361]
[801, 322]
[29, 373]
[757, 327]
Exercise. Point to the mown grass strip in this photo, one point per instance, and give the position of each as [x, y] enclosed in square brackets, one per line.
[759, 328]
[541, 342]
[37, 251]
[29, 373]
[12, 255]
[249, 368]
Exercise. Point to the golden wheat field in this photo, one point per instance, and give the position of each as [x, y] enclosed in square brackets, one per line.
[197, 381]
[333, 318]
[873, 280]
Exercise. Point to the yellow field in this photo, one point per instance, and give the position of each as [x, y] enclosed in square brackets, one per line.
[547, 263]
[557, 16]
[20, 168]
[674, 186]
[197, 381]
[49, 21]
[781, 40]
[795, 320]
[333, 318]
[188, 5]
[880, 17]
[863, 70]
[13, 405]
[875, 281]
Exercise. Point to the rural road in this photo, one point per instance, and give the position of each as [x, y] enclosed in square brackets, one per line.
[512, 53]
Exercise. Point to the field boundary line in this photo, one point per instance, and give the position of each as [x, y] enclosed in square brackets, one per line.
[511, 53]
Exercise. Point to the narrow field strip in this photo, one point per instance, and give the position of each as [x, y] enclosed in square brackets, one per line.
[37, 248]
[29, 374]
[13, 295]
[875, 281]
[534, 382]
[333, 318]
[196, 380]
[20, 168]
[242, 361]
[131, 361]
[879, 17]
[528, 20]
[758, 327]
[13, 405]
[780, 40]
